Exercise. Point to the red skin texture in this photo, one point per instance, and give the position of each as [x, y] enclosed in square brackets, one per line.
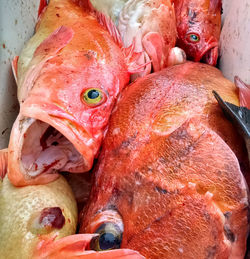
[168, 168]
[79, 55]
[203, 18]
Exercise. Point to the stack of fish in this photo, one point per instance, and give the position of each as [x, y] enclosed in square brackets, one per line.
[105, 89]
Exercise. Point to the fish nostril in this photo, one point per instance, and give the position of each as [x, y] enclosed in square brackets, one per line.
[47, 220]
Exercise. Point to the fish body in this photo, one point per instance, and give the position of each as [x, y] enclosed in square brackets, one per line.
[68, 75]
[168, 183]
[199, 25]
[33, 213]
[148, 25]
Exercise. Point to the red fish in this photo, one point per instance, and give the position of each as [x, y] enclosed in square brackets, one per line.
[168, 183]
[68, 75]
[199, 26]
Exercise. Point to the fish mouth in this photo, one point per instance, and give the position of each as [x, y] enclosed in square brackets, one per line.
[46, 150]
[43, 144]
[210, 55]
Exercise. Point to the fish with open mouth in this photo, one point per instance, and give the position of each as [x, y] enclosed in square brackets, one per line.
[68, 75]
[168, 182]
[199, 27]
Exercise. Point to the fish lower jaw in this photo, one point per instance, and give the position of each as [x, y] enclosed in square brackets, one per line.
[39, 149]
[210, 56]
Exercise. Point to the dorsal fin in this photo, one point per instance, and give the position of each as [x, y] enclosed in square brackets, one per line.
[102, 19]
[110, 26]
[215, 5]
[42, 6]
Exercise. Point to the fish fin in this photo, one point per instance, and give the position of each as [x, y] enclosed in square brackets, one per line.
[132, 58]
[244, 92]
[176, 56]
[215, 4]
[42, 6]
[14, 67]
[110, 26]
[74, 246]
[56, 41]
[3, 163]
[152, 43]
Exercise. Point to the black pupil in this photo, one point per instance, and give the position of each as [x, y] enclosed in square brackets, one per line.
[93, 94]
[108, 241]
[194, 37]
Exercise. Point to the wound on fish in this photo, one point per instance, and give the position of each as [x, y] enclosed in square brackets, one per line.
[52, 217]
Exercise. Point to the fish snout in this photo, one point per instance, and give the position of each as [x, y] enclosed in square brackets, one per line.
[43, 143]
[211, 53]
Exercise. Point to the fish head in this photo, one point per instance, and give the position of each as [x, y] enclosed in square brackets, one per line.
[199, 31]
[165, 184]
[65, 106]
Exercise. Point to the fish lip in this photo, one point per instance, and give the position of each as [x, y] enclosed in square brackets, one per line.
[82, 141]
[213, 48]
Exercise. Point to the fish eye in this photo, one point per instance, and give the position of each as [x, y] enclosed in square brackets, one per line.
[93, 97]
[110, 237]
[193, 37]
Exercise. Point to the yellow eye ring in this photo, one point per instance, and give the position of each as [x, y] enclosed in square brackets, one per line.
[93, 97]
[193, 37]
